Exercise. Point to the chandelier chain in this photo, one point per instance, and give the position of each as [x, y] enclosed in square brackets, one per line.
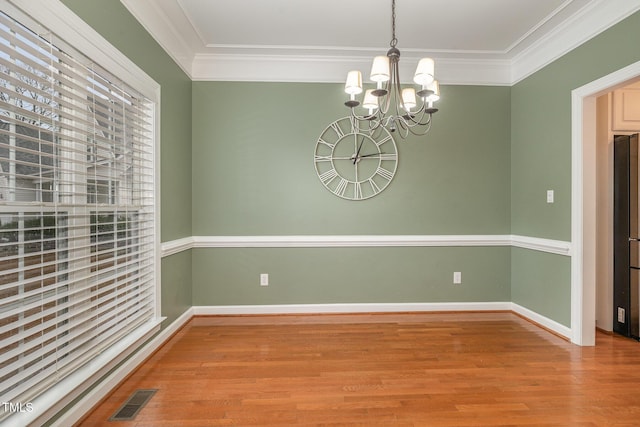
[394, 40]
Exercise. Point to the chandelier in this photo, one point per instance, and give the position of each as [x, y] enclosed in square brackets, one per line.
[407, 110]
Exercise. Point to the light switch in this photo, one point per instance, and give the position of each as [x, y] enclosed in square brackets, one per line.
[549, 196]
[457, 277]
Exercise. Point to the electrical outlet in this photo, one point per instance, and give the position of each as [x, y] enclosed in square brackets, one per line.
[620, 315]
[264, 279]
[457, 277]
[550, 196]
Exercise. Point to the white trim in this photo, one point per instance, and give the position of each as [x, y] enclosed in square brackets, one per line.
[557, 247]
[107, 384]
[350, 308]
[583, 204]
[332, 69]
[230, 310]
[318, 241]
[159, 20]
[581, 27]
[176, 246]
[157, 203]
[541, 320]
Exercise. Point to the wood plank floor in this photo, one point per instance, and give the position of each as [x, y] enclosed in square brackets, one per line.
[432, 369]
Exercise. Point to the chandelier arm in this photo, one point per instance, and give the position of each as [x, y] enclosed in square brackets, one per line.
[409, 122]
[424, 132]
[386, 102]
[402, 127]
[395, 73]
[373, 121]
[419, 121]
[363, 118]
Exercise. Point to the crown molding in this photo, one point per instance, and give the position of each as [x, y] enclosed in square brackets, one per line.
[162, 18]
[333, 69]
[581, 27]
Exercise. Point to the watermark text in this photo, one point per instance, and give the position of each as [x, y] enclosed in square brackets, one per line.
[13, 407]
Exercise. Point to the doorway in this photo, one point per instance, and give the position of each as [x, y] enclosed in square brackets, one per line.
[618, 115]
[584, 237]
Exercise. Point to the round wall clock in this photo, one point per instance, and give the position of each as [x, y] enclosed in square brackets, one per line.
[354, 164]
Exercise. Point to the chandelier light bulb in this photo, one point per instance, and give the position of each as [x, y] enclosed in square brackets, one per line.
[380, 69]
[409, 98]
[424, 72]
[370, 101]
[434, 87]
[353, 86]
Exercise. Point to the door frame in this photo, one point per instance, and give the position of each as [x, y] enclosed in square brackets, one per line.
[583, 200]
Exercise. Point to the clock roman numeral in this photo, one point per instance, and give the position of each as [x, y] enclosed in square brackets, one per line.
[357, 190]
[319, 158]
[388, 175]
[328, 144]
[328, 176]
[355, 125]
[386, 156]
[337, 129]
[374, 186]
[342, 186]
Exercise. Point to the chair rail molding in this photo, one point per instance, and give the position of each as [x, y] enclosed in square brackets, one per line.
[557, 247]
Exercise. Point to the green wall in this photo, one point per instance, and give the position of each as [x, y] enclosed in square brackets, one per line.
[253, 174]
[350, 275]
[541, 160]
[541, 282]
[253, 171]
[115, 23]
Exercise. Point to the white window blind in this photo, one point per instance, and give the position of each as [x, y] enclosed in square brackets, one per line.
[77, 221]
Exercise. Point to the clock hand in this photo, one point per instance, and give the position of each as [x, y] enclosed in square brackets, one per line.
[350, 158]
[371, 155]
[355, 157]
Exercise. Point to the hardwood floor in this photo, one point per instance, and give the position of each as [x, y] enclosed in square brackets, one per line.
[432, 369]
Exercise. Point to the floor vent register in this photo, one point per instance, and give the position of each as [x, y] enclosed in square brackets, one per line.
[133, 405]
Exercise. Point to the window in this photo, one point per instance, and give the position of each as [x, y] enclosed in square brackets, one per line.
[77, 210]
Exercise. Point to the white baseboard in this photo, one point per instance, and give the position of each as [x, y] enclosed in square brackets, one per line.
[350, 308]
[107, 384]
[543, 321]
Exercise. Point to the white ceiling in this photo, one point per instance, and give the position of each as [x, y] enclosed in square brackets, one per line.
[473, 41]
